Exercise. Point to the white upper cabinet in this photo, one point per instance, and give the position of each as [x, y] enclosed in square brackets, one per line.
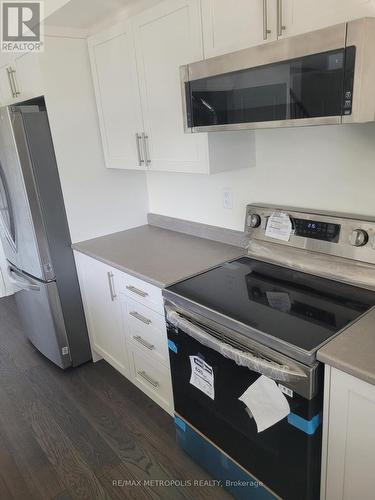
[29, 78]
[230, 26]
[117, 93]
[304, 15]
[136, 72]
[21, 78]
[166, 37]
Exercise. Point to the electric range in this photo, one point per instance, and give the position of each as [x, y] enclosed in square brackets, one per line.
[306, 277]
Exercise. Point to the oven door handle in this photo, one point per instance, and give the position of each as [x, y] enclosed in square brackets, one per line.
[267, 367]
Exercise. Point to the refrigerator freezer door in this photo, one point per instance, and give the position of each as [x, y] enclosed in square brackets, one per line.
[19, 224]
[40, 310]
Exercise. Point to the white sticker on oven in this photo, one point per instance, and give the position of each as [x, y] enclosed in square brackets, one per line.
[286, 390]
[279, 226]
[202, 376]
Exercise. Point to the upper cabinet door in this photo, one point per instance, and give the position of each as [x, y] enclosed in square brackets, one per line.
[7, 92]
[117, 95]
[28, 77]
[230, 26]
[166, 37]
[21, 79]
[302, 16]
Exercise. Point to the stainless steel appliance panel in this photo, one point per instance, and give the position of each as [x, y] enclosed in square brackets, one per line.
[40, 310]
[357, 89]
[24, 252]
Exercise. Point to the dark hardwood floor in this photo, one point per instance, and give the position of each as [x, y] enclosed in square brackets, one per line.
[70, 435]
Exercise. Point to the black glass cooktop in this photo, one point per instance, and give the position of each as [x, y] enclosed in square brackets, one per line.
[296, 307]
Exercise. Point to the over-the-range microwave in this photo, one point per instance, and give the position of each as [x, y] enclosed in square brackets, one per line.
[318, 78]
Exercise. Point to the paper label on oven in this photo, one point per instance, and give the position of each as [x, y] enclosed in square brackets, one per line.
[202, 376]
[279, 226]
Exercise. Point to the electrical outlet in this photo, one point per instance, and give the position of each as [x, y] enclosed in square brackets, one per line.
[228, 199]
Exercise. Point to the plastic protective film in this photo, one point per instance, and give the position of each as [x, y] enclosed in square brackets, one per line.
[256, 363]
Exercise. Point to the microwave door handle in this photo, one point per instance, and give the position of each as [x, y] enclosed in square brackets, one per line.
[271, 369]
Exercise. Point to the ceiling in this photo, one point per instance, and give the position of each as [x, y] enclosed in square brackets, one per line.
[86, 14]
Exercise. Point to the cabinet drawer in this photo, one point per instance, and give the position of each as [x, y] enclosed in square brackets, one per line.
[142, 292]
[146, 329]
[153, 379]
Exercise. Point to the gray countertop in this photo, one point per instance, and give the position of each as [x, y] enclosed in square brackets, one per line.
[353, 351]
[159, 256]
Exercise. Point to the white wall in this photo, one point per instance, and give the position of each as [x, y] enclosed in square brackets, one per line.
[98, 200]
[325, 167]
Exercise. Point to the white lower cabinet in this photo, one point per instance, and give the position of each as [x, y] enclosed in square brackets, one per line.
[126, 324]
[152, 378]
[146, 330]
[348, 438]
[103, 311]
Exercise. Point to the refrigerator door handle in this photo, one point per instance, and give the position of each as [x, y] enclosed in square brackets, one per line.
[21, 281]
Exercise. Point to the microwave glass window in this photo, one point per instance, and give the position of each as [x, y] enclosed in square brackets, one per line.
[308, 87]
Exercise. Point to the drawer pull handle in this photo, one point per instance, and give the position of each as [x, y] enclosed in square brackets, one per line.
[143, 342]
[139, 317]
[137, 291]
[148, 379]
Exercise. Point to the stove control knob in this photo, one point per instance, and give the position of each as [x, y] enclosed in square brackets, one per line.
[254, 220]
[358, 238]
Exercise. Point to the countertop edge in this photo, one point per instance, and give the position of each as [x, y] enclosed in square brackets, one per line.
[148, 279]
[115, 265]
[348, 368]
[351, 350]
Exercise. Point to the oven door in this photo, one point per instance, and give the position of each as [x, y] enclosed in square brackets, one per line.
[286, 456]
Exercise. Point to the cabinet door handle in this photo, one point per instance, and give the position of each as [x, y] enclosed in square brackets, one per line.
[280, 26]
[139, 317]
[138, 138]
[148, 379]
[266, 31]
[143, 342]
[137, 291]
[147, 149]
[11, 81]
[111, 286]
[18, 92]
[14, 80]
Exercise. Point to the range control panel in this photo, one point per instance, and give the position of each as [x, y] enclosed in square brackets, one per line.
[316, 229]
[333, 234]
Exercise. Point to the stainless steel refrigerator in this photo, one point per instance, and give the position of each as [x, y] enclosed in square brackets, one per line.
[35, 237]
